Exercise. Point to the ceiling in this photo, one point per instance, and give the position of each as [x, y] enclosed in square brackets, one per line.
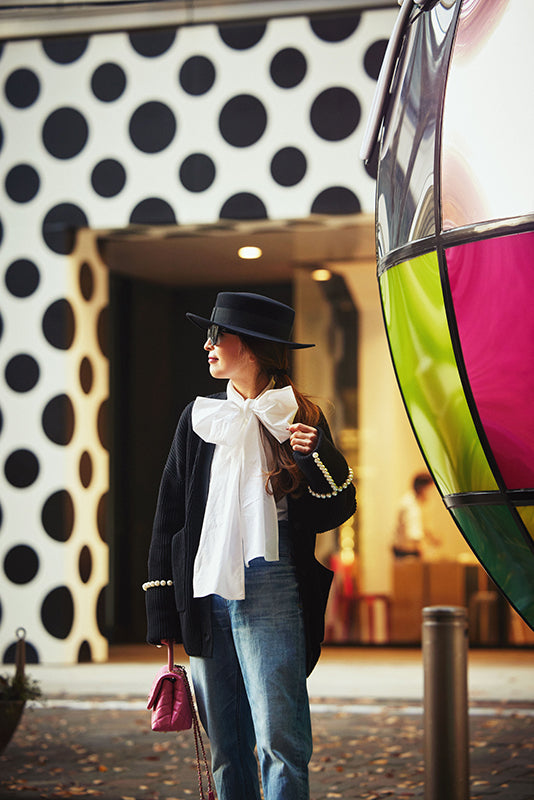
[207, 254]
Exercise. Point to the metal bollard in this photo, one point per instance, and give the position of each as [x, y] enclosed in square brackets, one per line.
[446, 737]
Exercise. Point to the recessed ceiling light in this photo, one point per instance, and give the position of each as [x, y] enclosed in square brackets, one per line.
[321, 274]
[249, 252]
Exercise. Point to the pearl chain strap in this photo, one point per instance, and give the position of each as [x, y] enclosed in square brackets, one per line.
[335, 488]
[153, 584]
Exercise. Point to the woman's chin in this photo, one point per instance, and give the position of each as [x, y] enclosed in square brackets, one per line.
[216, 372]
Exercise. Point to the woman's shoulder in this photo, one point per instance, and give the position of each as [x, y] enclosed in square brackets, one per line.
[214, 396]
[185, 416]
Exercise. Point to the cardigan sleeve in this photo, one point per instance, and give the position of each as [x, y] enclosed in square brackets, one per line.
[162, 618]
[326, 508]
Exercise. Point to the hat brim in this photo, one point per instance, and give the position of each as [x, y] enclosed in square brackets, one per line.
[202, 322]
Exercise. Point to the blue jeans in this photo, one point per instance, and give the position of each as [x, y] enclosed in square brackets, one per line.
[252, 692]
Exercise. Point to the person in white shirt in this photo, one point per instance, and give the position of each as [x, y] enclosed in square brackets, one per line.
[412, 534]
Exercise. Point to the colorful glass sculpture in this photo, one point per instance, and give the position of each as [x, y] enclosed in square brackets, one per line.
[455, 251]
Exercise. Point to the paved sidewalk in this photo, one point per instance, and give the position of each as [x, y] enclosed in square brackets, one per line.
[344, 672]
[92, 738]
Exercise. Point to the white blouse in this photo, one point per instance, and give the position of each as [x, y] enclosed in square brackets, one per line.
[241, 517]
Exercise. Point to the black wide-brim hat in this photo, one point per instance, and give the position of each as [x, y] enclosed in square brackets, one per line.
[252, 315]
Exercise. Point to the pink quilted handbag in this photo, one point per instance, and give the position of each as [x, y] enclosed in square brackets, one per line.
[170, 698]
[173, 710]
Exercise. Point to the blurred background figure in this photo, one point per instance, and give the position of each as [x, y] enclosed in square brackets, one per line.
[413, 535]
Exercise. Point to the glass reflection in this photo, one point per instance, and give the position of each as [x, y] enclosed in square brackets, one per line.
[405, 197]
[527, 515]
[488, 115]
[422, 351]
[492, 286]
[499, 545]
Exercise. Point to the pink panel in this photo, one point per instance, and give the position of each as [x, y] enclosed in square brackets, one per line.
[487, 116]
[492, 284]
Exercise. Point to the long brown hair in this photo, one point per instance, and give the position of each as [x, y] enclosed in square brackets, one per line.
[273, 358]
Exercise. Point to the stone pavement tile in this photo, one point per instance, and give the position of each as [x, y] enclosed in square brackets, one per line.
[361, 753]
[502, 756]
[112, 754]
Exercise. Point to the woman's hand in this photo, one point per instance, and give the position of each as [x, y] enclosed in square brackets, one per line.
[303, 438]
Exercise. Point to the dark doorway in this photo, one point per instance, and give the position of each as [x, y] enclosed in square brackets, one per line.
[156, 368]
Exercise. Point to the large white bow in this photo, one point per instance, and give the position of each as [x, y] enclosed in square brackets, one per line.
[240, 519]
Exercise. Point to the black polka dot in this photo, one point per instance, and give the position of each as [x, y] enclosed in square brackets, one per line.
[22, 278]
[101, 606]
[1, 137]
[102, 424]
[87, 284]
[21, 564]
[335, 113]
[374, 55]
[243, 120]
[58, 324]
[152, 127]
[108, 177]
[21, 468]
[22, 88]
[243, 206]
[22, 373]
[1, 325]
[108, 82]
[85, 564]
[60, 225]
[371, 167]
[65, 50]
[32, 656]
[335, 29]
[22, 183]
[152, 43]
[288, 67]
[153, 211]
[57, 516]
[336, 200]
[241, 37]
[102, 516]
[65, 133]
[86, 375]
[288, 166]
[84, 653]
[86, 469]
[58, 419]
[197, 75]
[197, 172]
[102, 331]
[57, 612]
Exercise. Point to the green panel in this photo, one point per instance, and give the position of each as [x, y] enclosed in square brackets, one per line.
[527, 515]
[499, 545]
[422, 352]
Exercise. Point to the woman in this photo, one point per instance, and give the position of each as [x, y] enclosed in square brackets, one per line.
[251, 477]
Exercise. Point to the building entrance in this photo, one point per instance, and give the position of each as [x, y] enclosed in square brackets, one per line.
[156, 368]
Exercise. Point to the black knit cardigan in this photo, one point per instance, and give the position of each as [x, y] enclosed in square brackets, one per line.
[172, 612]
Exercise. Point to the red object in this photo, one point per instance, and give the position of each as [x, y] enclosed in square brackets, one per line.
[169, 700]
[173, 709]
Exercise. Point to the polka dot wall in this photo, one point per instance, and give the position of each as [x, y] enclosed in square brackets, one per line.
[176, 126]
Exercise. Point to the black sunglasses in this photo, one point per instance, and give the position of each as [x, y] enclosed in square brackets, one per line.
[214, 332]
